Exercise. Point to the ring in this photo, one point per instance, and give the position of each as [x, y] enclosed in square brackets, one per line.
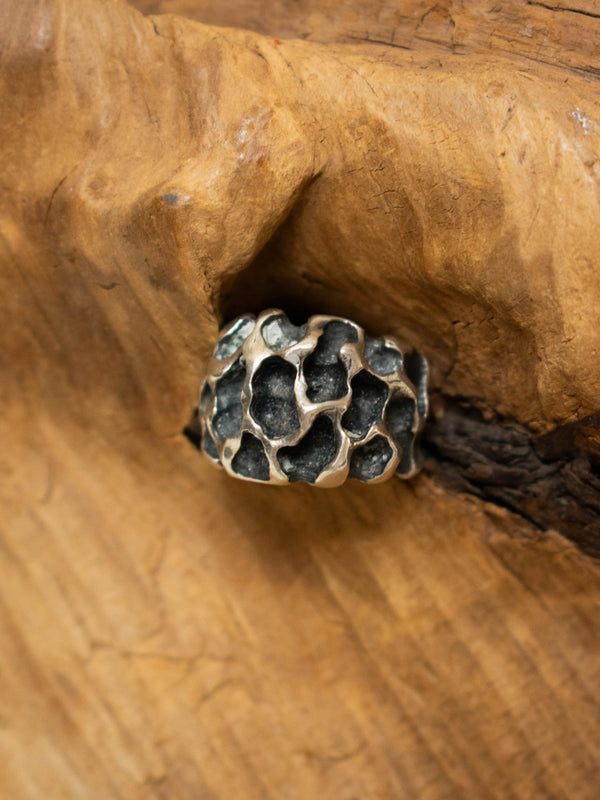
[319, 402]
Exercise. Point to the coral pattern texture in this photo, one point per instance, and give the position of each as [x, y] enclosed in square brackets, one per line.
[318, 403]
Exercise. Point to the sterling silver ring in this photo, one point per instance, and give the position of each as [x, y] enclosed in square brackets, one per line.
[319, 402]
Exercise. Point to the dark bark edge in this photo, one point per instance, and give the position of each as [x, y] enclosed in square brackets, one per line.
[552, 480]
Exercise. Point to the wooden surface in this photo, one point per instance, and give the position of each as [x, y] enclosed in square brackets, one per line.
[562, 35]
[167, 633]
[170, 633]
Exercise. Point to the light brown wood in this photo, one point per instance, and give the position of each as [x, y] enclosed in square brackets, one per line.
[560, 35]
[167, 632]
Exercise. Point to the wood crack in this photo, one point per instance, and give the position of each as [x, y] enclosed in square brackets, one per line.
[564, 8]
[368, 40]
[552, 480]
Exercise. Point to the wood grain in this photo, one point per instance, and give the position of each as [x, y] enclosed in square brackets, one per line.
[560, 35]
[168, 633]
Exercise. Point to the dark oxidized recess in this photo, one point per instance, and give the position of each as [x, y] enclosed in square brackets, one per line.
[318, 403]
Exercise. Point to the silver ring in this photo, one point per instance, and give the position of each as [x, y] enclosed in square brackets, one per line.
[319, 402]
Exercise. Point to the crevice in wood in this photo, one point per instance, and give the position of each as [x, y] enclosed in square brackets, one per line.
[552, 480]
[367, 40]
[547, 6]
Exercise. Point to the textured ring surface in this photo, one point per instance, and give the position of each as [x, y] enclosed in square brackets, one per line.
[319, 403]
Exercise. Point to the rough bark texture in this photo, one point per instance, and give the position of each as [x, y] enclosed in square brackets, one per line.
[553, 480]
[430, 171]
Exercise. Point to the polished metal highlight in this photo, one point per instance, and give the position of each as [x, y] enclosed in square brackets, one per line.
[319, 403]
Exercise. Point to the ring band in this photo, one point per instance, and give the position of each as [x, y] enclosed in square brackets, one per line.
[319, 402]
